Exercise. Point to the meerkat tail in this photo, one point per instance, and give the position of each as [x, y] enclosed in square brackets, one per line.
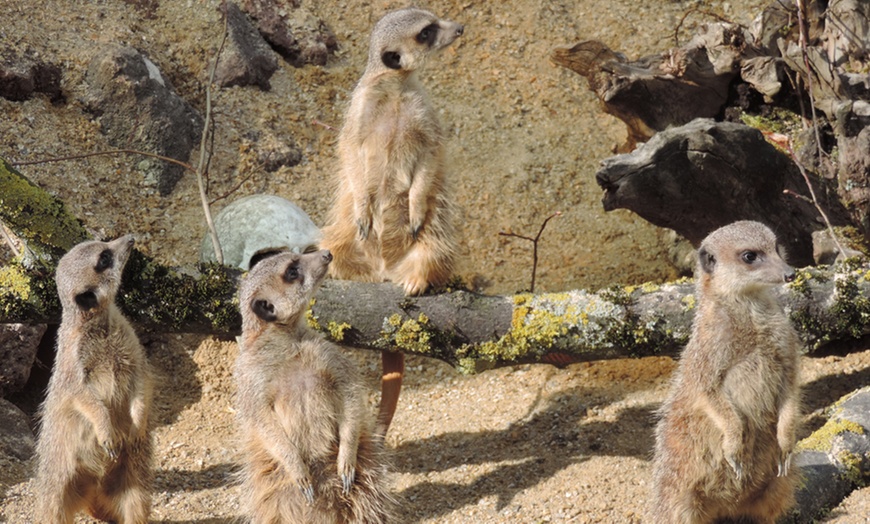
[393, 366]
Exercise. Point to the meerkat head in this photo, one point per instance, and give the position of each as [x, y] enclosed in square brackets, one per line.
[279, 288]
[89, 275]
[742, 258]
[403, 39]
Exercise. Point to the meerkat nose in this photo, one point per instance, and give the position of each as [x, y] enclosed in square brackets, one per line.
[460, 30]
[790, 275]
[327, 256]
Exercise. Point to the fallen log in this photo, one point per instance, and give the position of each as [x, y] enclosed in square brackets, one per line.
[468, 330]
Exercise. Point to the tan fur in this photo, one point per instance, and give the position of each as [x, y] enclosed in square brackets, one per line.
[393, 217]
[727, 429]
[309, 456]
[94, 449]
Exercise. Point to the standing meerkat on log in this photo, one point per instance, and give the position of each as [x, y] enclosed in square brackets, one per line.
[309, 456]
[94, 448]
[727, 428]
[393, 216]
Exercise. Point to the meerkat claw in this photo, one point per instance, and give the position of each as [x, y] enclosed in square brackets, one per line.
[738, 469]
[307, 491]
[784, 465]
[363, 227]
[347, 481]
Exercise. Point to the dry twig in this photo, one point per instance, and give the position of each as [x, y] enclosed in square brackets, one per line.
[534, 242]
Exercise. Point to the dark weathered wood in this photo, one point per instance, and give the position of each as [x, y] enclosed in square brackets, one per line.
[704, 175]
[652, 93]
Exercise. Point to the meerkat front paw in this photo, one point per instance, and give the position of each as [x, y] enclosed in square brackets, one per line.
[112, 449]
[307, 489]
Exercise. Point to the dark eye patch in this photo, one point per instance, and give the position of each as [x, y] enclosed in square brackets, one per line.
[265, 310]
[428, 35]
[291, 274]
[105, 261]
[87, 300]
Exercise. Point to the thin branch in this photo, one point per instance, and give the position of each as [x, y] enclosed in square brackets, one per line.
[110, 152]
[815, 201]
[324, 124]
[9, 240]
[534, 242]
[218, 252]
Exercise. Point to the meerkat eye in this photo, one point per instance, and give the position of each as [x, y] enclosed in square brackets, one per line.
[292, 272]
[428, 34]
[106, 261]
[749, 256]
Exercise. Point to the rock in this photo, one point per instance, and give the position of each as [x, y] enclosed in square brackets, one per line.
[703, 175]
[835, 459]
[299, 36]
[259, 225]
[18, 346]
[273, 153]
[246, 59]
[22, 76]
[138, 109]
[17, 445]
[852, 128]
[826, 251]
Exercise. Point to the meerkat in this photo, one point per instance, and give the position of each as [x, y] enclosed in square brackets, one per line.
[94, 447]
[727, 429]
[308, 451]
[393, 216]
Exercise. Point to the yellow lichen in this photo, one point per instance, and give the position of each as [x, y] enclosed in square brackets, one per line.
[688, 302]
[823, 438]
[15, 281]
[311, 318]
[337, 331]
[650, 287]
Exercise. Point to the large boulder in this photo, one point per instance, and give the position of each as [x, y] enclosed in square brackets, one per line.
[246, 59]
[138, 109]
[259, 225]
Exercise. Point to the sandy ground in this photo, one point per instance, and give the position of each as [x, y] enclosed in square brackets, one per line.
[526, 444]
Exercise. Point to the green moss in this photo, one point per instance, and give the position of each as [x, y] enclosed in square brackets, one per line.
[823, 439]
[852, 465]
[153, 293]
[37, 217]
[845, 317]
[780, 120]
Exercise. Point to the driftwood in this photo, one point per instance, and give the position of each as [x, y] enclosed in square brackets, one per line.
[700, 176]
[810, 65]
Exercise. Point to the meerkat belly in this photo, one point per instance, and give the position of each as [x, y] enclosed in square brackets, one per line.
[755, 388]
[307, 407]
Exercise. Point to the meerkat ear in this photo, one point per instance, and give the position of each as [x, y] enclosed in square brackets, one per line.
[265, 310]
[707, 260]
[392, 59]
[87, 300]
